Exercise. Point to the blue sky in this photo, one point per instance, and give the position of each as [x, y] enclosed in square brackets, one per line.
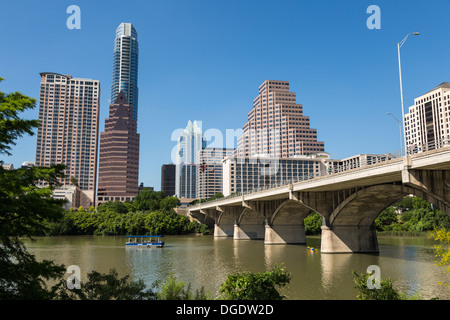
[205, 59]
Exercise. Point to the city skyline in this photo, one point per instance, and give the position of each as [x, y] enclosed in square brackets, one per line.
[344, 74]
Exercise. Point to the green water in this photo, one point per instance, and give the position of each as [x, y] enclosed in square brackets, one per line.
[207, 261]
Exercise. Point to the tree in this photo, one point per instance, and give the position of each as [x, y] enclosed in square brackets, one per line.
[23, 209]
[386, 218]
[385, 292]
[442, 251]
[107, 287]
[174, 289]
[313, 224]
[255, 286]
[169, 203]
[11, 125]
[148, 200]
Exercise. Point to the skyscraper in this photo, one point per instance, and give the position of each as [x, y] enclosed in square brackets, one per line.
[190, 142]
[125, 65]
[168, 179]
[68, 111]
[276, 126]
[119, 154]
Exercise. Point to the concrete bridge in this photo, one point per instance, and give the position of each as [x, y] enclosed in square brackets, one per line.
[349, 202]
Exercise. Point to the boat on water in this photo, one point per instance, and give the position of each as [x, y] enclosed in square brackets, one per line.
[145, 241]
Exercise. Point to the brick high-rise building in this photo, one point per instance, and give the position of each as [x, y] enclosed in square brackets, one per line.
[68, 111]
[118, 172]
[276, 126]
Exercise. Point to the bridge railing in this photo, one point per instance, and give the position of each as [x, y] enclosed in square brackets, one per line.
[348, 164]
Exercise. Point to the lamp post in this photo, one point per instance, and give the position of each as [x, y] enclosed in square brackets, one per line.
[400, 131]
[399, 45]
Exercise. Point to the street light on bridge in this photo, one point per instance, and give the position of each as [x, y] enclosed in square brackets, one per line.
[400, 129]
[399, 45]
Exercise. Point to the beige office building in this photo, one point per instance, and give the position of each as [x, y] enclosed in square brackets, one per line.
[209, 171]
[68, 111]
[427, 124]
[276, 126]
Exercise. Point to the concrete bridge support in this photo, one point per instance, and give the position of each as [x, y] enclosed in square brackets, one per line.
[223, 230]
[348, 239]
[285, 234]
[249, 231]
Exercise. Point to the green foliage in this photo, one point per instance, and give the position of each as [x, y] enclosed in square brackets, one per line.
[442, 250]
[148, 200]
[255, 286]
[11, 125]
[106, 287]
[385, 292]
[313, 224]
[23, 208]
[173, 289]
[418, 216]
[386, 219]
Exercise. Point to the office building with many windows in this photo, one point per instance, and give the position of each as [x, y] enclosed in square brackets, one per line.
[209, 171]
[119, 154]
[69, 111]
[249, 174]
[276, 126]
[427, 124]
[125, 65]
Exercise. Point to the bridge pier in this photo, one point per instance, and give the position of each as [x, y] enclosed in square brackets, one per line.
[223, 230]
[349, 239]
[285, 234]
[248, 231]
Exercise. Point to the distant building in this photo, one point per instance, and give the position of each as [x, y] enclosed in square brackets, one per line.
[427, 125]
[190, 142]
[241, 175]
[69, 110]
[356, 161]
[28, 164]
[119, 154]
[69, 193]
[142, 187]
[168, 179]
[276, 126]
[209, 171]
[8, 166]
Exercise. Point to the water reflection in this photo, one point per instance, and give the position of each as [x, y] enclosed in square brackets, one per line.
[207, 261]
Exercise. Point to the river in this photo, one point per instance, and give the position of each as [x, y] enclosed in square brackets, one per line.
[207, 261]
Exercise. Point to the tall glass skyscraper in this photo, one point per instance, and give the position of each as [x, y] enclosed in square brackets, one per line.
[190, 142]
[125, 65]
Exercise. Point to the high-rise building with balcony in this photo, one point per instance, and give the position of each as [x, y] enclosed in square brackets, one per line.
[118, 172]
[276, 126]
[69, 111]
[427, 124]
[125, 65]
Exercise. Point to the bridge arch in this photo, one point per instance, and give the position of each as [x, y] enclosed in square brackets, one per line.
[289, 212]
[250, 216]
[351, 227]
[365, 205]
